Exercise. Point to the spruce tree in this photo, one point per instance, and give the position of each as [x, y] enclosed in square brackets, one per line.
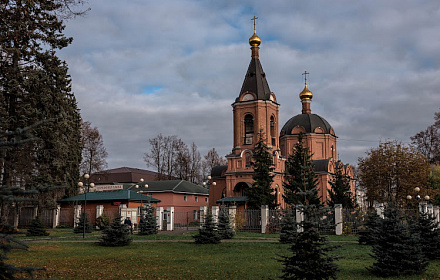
[36, 228]
[116, 235]
[301, 183]
[368, 235]
[340, 192]
[289, 228]
[148, 225]
[83, 219]
[261, 192]
[208, 233]
[427, 227]
[224, 224]
[397, 250]
[310, 259]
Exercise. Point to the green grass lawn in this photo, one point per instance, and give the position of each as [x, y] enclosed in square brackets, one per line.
[186, 260]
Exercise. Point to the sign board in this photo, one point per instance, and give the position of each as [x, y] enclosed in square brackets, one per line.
[99, 188]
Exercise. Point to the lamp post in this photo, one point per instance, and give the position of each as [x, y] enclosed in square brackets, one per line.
[87, 187]
[417, 196]
[142, 205]
[207, 182]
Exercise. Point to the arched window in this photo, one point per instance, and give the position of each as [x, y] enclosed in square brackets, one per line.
[247, 159]
[272, 130]
[248, 129]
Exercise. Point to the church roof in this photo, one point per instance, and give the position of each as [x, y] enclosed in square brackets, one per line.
[309, 122]
[255, 81]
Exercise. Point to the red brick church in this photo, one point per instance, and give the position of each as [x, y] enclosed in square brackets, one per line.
[256, 109]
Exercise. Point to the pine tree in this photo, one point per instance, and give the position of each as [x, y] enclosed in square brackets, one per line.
[301, 184]
[427, 227]
[289, 229]
[148, 225]
[116, 235]
[224, 224]
[83, 219]
[36, 228]
[261, 192]
[208, 233]
[397, 250]
[310, 259]
[368, 235]
[340, 192]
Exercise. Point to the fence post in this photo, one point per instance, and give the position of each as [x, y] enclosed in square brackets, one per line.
[76, 215]
[338, 219]
[215, 213]
[264, 217]
[35, 213]
[56, 216]
[232, 212]
[430, 209]
[170, 218]
[379, 209]
[423, 207]
[99, 210]
[436, 214]
[159, 220]
[203, 211]
[16, 216]
[299, 218]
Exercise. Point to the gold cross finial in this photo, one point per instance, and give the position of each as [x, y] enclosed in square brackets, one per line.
[254, 19]
[305, 76]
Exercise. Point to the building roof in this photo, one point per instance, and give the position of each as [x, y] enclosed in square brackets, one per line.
[309, 122]
[255, 81]
[218, 171]
[174, 186]
[119, 195]
[233, 199]
[128, 170]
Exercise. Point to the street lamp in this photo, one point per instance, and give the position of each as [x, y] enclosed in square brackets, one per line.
[419, 198]
[207, 182]
[142, 205]
[86, 190]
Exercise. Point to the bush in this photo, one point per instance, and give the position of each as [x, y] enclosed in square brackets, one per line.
[102, 221]
[208, 233]
[116, 235]
[83, 221]
[148, 225]
[36, 228]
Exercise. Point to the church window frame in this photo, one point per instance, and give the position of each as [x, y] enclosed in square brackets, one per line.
[248, 129]
[247, 159]
[272, 130]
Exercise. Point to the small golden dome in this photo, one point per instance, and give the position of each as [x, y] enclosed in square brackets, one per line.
[254, 41]
[306, 94]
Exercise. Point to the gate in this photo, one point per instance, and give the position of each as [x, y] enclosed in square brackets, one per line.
[353, 221]
[247, 220]
[186, 219]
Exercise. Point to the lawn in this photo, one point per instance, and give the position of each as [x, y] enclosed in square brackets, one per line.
[252, 256]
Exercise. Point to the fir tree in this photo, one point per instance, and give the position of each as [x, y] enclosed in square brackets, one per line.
[368, 235]
[261, 192]
[397, 250]
[148, 225]
[208, 233]
[224, 225]
[301, 184]
[427, 227]
[116, 235]
[36, 228]
[289, 228]
[83, 220]
[310, 259]
[340, 192]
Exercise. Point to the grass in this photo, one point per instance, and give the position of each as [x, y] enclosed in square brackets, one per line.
[247, 258]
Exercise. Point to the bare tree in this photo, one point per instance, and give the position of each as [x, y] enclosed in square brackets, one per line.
[210, 160]
[94, 152]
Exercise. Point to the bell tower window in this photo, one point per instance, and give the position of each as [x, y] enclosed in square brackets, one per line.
[272, 130]
[248, 129]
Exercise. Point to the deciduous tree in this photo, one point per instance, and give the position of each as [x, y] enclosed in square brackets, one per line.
[428, 141]
[210, 160]
[390, 172]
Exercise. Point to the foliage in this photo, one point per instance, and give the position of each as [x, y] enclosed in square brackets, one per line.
[210, 160]
[83, 224]
[301, 181]
[368, 235]
[102, 221]
[425, 225]
[434, 182]
[261, 192]
[397, 250]
[390, 172]
[36, 228]
[289, 227]
[93, 152]
[340, 192]
[208, 233]
[309, 257]
[148, 224]
[427, 142]
[116, 235]
[224, 224]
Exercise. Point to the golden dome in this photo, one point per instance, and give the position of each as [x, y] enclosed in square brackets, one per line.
[306, 94]
[254, 41]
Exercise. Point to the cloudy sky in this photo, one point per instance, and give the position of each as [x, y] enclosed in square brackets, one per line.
[144, 67]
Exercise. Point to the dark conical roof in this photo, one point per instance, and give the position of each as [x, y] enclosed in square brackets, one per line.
[309, 121]
[255, 81]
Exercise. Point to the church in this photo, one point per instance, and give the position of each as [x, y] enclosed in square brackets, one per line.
[256, 109]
